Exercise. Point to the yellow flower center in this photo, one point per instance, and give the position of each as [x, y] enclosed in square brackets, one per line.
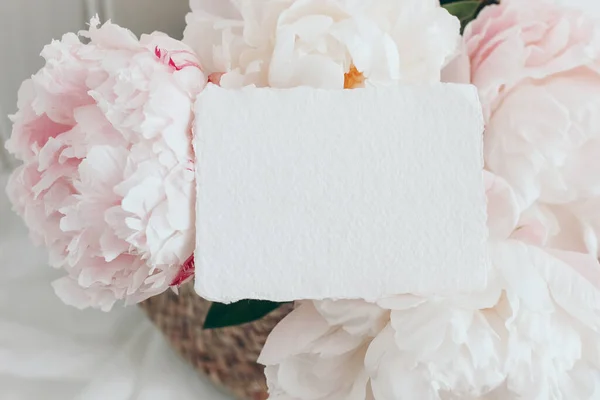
[353, 78]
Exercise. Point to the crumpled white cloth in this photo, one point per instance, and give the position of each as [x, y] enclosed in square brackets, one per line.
[50, 351]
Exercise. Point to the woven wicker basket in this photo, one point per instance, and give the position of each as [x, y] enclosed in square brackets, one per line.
[226, 356]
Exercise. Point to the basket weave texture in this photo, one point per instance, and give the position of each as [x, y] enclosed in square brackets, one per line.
[226, 356]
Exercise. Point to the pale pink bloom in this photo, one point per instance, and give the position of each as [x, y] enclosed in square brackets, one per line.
[531, 334]
[317, 352]
[289, 43]
[458, 68]
[104, 131]
[537, 68]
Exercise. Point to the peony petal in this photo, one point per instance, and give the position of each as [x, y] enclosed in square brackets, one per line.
[282, 341]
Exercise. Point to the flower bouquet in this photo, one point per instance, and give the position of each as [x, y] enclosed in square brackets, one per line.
[104, 131]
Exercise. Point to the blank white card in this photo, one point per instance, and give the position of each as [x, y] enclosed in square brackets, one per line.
[347, 194]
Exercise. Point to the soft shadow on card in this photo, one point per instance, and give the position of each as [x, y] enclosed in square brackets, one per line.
[313, 194]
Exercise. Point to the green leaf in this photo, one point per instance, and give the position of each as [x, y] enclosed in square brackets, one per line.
[223, 315]
[465, 10]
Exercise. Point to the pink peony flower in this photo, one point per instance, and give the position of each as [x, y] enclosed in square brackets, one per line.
[537, 67]
[104, 131]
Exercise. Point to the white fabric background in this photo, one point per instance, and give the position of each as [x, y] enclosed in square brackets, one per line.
[49, 351]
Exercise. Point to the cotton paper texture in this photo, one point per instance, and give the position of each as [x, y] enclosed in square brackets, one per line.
[312, 194]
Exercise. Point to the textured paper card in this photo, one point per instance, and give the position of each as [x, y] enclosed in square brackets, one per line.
[311, 194]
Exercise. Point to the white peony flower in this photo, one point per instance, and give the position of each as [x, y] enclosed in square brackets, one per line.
[531, 334]
[317, 352]
[323, 43]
